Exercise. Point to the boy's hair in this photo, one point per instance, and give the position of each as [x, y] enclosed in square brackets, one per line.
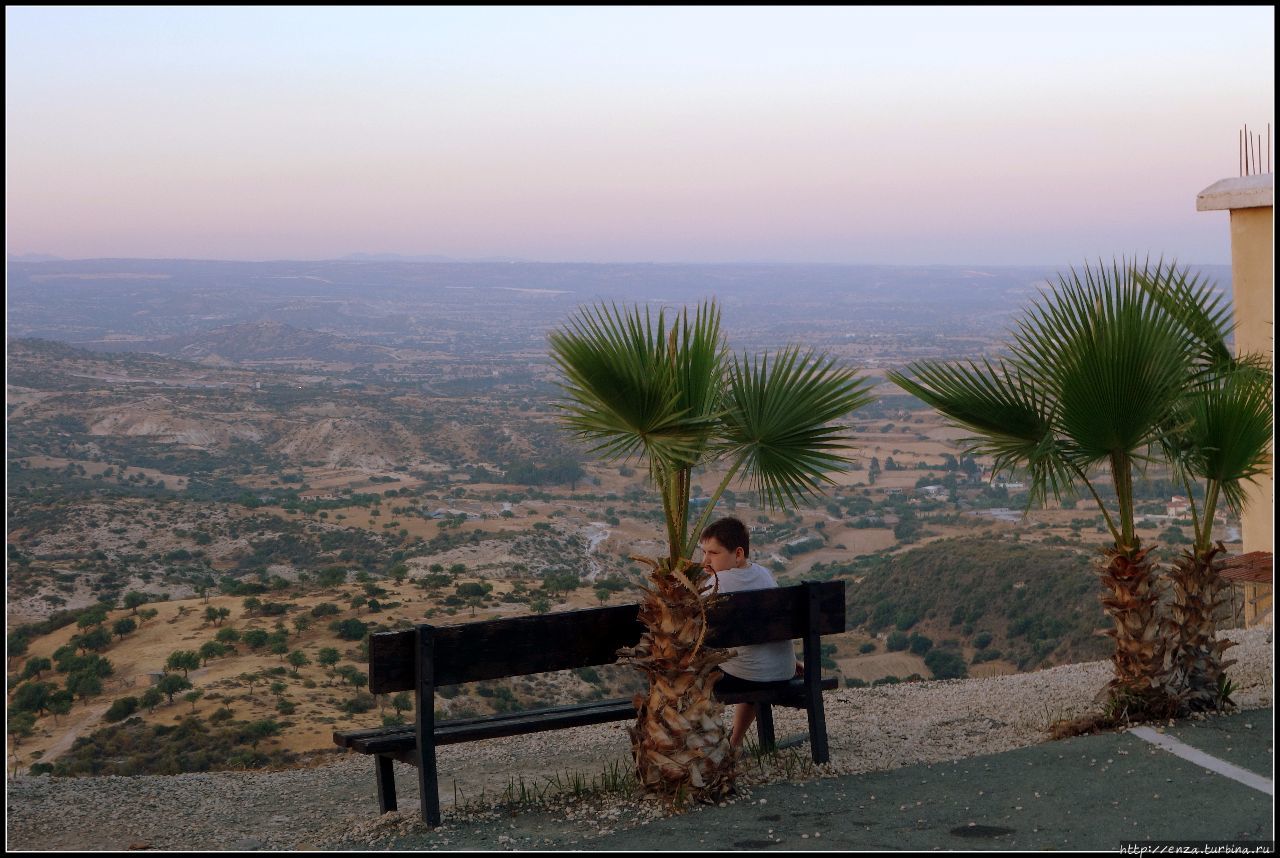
[731, 533]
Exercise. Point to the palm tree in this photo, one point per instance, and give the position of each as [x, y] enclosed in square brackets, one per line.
[676, 399]
[1218, 437]
[1093, 374]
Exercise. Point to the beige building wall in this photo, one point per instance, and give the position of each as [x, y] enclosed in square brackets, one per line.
[1257, 603]
[1252, 268]
[1249, 199]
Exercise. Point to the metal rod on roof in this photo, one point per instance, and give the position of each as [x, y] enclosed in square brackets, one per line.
[1259, 151]
[1240, 148]
[1268, 147]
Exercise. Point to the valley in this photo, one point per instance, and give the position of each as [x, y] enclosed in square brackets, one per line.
[180, 442]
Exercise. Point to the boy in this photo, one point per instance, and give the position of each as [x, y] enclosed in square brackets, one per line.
[726, 546]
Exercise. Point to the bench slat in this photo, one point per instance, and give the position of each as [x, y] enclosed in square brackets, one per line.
[382, 740]
[516, 646]
[790, 695]
[349, 738]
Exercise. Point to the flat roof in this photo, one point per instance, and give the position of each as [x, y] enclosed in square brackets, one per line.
[1243, 192]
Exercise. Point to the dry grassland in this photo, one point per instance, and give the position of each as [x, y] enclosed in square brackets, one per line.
[142, 655]
[171, 481]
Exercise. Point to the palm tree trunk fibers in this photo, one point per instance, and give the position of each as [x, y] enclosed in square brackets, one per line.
[1196, 657]
[679, 741]
[1140, 688]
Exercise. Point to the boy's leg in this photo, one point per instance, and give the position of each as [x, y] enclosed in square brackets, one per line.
[743, 716]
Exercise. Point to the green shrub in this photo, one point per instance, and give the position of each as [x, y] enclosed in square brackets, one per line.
[350, 630]
[898, 641]
[359, 704]
[920, 644]
[905, 618]
[945, 664]
[135, 748]
[121, 709]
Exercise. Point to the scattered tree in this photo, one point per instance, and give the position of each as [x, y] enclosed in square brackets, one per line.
[151, 698]
[298, 659]
[35, 666]
[32, 697]
[170, 684]
[211, 649]
[328, 657]
[255, 638]
[184, 660]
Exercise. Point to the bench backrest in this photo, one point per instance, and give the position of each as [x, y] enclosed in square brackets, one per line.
[522, 645]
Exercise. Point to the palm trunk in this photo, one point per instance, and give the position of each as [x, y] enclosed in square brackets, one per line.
[1140, 688]
[679, 740]
[1197, 663]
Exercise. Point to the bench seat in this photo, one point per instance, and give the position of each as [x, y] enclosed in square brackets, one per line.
[383, 740]
[401, 738]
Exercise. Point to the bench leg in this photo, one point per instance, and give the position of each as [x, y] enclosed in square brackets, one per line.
[386, 783]
[428, 787]
[764, 727]
[813, 677]
[818, 732]
[425, 727]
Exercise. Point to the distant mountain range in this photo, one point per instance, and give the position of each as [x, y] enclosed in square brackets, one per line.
[198, 309]
[430, 257]
[33, 257]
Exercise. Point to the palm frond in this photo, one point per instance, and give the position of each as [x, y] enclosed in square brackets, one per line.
[1115, 359]
[778, 421]
[1200, 307]
[698, 355]
[624, 388]
[1225, 433]
[1012, 415]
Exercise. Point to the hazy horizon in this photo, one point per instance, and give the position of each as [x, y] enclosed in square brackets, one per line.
[749, 135]
[498, 259]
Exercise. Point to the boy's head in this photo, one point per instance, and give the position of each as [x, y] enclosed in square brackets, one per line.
[726, 544]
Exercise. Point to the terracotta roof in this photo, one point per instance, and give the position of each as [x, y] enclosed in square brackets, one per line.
[1254, 567]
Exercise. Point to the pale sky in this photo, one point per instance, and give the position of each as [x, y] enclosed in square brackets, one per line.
[887, 135]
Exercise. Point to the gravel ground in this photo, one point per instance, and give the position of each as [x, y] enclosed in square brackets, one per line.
[333, 804]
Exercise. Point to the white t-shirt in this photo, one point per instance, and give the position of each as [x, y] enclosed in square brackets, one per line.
[768, 662]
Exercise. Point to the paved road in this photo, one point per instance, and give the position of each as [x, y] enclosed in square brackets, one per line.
[1090, 792]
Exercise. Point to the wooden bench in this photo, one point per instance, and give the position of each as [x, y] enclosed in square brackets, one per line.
[427, 657]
